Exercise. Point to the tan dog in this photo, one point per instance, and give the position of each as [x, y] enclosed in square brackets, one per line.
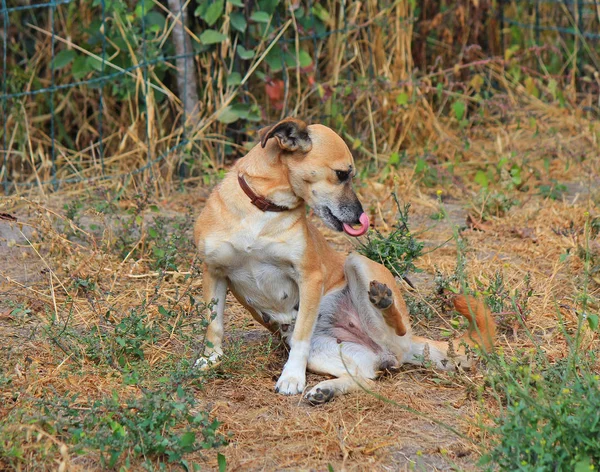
[255, 239]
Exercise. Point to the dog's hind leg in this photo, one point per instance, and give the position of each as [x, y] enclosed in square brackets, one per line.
[353, 364]
[373, 290]
[374, 301]
[214, 290]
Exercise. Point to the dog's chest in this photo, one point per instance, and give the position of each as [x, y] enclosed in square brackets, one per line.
[251, 242]
[261, 268]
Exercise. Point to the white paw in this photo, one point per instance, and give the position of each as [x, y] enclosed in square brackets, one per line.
[205, 363]
[290, 383]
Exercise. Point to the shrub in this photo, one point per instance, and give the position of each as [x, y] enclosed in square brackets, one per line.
[549, 417]
[396, 251]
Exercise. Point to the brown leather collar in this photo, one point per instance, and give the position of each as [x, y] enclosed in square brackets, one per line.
[259, 202]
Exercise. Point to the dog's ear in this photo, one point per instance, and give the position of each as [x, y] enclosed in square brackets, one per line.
[291, 135]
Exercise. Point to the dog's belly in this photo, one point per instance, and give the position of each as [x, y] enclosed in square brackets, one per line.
[267, 287]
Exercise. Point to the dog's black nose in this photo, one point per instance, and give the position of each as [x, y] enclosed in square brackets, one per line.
[351, 212]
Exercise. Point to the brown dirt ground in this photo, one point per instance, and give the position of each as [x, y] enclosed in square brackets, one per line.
[358, 431]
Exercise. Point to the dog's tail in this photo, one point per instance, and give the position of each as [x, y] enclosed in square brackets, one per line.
[451, 354]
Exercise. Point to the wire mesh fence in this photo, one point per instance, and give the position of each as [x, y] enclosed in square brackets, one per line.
[95, 90]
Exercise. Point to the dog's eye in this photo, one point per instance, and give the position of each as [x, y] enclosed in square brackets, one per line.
[343, 175]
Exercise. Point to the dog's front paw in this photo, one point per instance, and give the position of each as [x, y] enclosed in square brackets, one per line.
[290, 383]
[205, 363]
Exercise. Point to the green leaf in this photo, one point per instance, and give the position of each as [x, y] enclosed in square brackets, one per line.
[152, 233]
[482, 178]
[593, 322]
[260, 17]
[321, 13]
[274, 61]
[394, 159]
[583, 465]
[421, 165]
[228, 115]
[155, 20]
[304, 58]
[210, 36]
[187, 440]
[163, 311]
[244, 53]
[552, 86]
[459, 110]
[64, 58]
[234, 79]
[402, 99]
[143, 8]
[439, 89]
[238, 21]
[80, 67]
[213, 12]
[114, 457]
[94, 64]
[515, 173]
[222, 462]
[246, 112]
[237, 3]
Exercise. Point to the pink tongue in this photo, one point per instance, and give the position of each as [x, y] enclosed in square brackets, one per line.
[364, 221]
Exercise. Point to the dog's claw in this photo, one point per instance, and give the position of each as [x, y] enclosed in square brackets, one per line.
[380, 295]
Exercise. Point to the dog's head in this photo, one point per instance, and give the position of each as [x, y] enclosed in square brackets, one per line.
[320, 170]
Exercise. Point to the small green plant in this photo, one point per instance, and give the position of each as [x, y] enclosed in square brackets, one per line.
[426, 173]
[19, 311]
[441, 213]
[131, 334]
[488, 204]
[510, 306]
[84, 285]
[161, 424]
[553, 190]
[396, 251]
[168, 242]
[72, 209]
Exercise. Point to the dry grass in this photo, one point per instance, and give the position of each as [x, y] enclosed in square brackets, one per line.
[48, 254]
[62, 278]
[361, 69]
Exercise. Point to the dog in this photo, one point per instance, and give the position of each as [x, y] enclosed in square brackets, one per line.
[341, 315]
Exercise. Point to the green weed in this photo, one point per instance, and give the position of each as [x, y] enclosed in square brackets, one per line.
[160, 425]
[548, 415]
[548, 409]
[488, 204]
[554, 190]
[396, 251]
[426, 173]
